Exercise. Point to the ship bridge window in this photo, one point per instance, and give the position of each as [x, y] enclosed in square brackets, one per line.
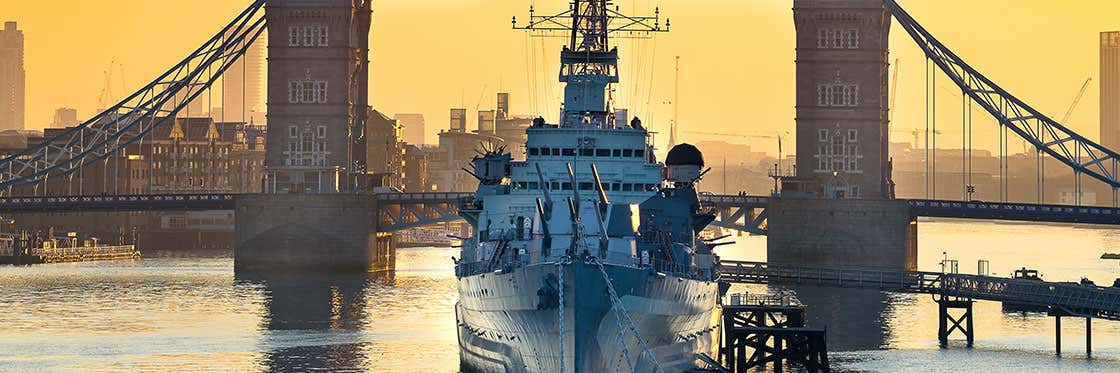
[615, 187]
[569, 152]
[534, 151]
[602, 152]
[627, 187]
[585, 152]
[556, 151]
[627, 152]
[555, 185]
[585, 186]
[617, 152]
[519, 185]
[534, 185]
[566, 186]
[639, 153]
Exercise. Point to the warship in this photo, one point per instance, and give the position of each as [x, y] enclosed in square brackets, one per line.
[585, 256]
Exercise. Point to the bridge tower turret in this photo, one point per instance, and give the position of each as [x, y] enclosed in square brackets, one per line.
[842, 118]
[318, 58]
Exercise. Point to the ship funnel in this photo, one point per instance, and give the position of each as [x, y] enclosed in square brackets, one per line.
[683, 164]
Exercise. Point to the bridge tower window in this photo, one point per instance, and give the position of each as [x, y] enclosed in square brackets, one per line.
[838, 95]
[307, 91]
[308, 36]
[838, 151]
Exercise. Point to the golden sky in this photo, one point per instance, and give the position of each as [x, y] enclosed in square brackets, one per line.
[737, 57]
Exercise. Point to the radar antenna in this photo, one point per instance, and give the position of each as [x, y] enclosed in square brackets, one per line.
[589, 64]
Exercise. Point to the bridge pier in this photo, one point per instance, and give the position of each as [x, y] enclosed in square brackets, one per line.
[1088, 337]
[774, 329]
[963, 323]
[879, 234]
[1058, 334]
[310, 232]
[1058, 314]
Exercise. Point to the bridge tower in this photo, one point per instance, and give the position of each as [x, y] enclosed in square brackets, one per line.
[840, 209]
[318, 59]
[842, 72]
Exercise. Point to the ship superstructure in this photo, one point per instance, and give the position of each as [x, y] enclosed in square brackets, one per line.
[584, 256]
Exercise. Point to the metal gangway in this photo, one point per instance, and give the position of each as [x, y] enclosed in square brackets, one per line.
[1071, 299]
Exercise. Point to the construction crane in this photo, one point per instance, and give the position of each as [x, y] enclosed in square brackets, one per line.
[731, 134]
[1077, 100]
[1072, 107]
[894, 91]
[107, 92]
[916, 132]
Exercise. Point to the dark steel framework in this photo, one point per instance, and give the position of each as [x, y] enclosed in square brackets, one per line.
[138, 114]
[1070, 298]
[1046, 135]
[775, 332]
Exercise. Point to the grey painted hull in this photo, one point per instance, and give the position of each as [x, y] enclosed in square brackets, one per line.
[511, 322]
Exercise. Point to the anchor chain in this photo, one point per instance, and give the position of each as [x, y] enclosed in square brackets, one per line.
[620, 310]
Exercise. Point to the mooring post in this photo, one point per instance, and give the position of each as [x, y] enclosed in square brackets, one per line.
[942, 324]
[780, 353]
[1058, 334]
[969, 335]
[1088, 337]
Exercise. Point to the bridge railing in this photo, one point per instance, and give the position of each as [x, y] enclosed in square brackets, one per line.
[1074, 297]
[1089, 300]
[733, 200]
[765, 273]
[422, 197]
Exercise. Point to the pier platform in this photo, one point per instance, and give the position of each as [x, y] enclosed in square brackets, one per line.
[12, 255]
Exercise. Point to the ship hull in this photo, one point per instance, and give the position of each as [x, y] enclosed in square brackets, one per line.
[511, 322]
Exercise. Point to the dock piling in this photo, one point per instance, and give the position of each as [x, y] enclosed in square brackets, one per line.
[963, 323]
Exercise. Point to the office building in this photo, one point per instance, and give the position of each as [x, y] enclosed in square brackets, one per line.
[65, 117]
[13, 78]
[1110, 90]
[243, 86]
[413, 124]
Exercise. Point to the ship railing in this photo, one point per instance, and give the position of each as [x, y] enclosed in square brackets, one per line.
[784, 299]
[666, 266]
[474, 268]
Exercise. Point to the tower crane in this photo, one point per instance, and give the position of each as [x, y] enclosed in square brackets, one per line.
[107, 92]
[1072, 107]
[1077, 100]
[894, 92]
[916, 132]
[731, 134]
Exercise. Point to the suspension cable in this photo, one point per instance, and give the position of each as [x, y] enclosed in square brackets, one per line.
[933, 163]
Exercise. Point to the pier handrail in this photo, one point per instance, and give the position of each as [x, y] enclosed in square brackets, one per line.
[1073, 298]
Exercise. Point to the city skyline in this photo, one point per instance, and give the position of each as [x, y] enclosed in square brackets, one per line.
[409, 74]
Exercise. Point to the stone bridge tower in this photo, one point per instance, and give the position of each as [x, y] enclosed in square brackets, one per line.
[842, 83]
[318, 58]
[840, 209]
[317, 107]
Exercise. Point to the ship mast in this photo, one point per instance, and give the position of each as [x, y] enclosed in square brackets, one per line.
[589, 64]
[676, 95]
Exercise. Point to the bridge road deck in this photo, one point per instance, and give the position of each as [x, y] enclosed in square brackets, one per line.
[1069, 298]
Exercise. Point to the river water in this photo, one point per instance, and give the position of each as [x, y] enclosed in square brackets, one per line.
[192, 313]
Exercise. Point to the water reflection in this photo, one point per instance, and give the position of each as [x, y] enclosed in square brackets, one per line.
[314, 321]
[854, 317]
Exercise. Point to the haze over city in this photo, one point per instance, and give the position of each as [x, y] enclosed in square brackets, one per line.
[560, 186]
[737, 59]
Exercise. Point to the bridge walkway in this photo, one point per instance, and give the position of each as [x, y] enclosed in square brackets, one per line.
[1068, 298]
